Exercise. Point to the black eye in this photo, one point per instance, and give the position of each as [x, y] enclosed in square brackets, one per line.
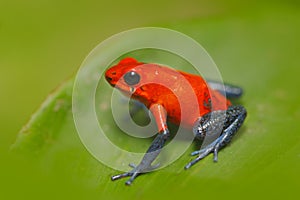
[132, 78]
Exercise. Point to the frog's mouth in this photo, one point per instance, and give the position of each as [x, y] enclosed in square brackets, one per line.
[126, 90]
[109, 79]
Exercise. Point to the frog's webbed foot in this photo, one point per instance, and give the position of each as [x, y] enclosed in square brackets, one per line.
[214, 147]
[135, 172]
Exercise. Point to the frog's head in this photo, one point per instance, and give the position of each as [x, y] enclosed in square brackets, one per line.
[123, 75]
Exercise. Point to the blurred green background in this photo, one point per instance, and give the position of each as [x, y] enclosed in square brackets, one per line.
[255, 45]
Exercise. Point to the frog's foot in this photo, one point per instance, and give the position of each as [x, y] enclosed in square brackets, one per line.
[136, 171]
[214, 147]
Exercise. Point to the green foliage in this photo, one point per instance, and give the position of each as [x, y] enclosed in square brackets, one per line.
[258, 52]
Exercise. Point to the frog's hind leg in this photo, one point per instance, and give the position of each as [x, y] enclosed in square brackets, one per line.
[225, 122]
[230, 91]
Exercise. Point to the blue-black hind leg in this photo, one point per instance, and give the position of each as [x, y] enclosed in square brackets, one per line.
[220, 124]
[228, 90]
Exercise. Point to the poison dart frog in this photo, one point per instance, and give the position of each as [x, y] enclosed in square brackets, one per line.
[168, 94]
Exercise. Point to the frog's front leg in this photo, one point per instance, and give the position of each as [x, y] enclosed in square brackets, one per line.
[154, 149]
[225, 122]
[149, 157]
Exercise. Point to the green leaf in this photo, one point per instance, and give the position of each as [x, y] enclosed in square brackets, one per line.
[256, 51]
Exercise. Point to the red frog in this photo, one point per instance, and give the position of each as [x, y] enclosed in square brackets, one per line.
[183, 99]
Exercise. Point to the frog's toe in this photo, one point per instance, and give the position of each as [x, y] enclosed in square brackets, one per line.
[118, 176]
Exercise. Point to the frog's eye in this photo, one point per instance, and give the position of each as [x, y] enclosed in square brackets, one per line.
[132, 78]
